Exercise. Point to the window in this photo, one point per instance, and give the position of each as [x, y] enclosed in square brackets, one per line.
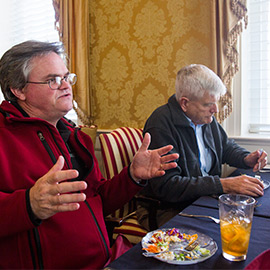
[249, 122]
[256, 69]
[23, 20]
[26, 19]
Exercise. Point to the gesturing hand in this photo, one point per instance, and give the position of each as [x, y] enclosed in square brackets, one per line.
[50, 195]
[148, 164]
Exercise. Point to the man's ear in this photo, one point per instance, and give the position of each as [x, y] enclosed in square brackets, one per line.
[183, 102]
[18, 93]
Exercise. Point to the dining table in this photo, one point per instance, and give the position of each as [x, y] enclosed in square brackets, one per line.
[207, 205]
[262, 208]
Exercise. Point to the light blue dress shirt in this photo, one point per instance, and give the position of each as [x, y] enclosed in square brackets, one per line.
[205, 156]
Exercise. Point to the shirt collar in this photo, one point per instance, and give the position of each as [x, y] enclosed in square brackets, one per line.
[192, 124]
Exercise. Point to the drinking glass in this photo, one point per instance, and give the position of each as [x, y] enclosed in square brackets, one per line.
[236, 214]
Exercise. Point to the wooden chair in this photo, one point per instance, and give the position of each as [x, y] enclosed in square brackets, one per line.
[118, 149]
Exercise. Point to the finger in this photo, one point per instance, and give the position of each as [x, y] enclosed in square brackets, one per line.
[251, 184]
[169, 158]
[168, 166]
[256, 181]
[262, 156]
[263, 161]
[65, 207]
[261, 184]
[146, 142]
[60, 176]
[256, 187]
[164, 150]
[67, 187]
[68, 207]
[68, 198]
[255, 192]
[159, 173]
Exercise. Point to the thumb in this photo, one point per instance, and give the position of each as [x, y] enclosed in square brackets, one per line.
[146, 142]
[58, 166]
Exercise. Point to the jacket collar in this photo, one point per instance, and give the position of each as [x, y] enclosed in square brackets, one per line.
[178, 116]
[15, 104]
[13, 112]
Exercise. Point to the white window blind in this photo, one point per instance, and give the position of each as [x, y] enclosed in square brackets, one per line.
[22, 20]
[256, 68]
[26, 19]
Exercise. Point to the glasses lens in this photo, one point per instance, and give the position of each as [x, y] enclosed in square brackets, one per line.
[55, 83]
[72, 78]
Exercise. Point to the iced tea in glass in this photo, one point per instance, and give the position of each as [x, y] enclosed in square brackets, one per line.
[236, 214]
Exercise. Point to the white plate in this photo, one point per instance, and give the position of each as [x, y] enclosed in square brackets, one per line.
[266, 184]
[204, 241]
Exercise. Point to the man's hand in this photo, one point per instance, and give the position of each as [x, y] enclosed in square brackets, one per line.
[256, 160]
[148, 164]
[242, 184]
[50, 195]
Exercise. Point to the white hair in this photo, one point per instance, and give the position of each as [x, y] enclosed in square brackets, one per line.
[195, 80]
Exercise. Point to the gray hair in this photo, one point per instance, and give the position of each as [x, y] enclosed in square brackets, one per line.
[194, 81]
[15, 64]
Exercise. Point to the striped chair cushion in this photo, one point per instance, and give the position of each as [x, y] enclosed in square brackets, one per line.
[118, 149]
[132, 230]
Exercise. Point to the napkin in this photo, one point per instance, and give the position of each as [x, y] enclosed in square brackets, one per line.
[262, 261]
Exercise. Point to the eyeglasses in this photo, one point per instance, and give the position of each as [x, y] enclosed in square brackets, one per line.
[56, 82]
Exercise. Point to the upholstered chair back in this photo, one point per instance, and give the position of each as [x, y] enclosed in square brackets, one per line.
[118, 149]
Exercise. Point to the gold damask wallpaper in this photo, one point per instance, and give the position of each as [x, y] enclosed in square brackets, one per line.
[137, 47]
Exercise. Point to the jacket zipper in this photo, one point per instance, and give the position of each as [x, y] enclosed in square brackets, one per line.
[47, 147]
[99, 229]
[35, 230]
[31, 250]
[39, 250]
[89, 207]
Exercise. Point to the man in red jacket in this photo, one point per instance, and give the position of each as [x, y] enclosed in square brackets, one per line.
[52, 195]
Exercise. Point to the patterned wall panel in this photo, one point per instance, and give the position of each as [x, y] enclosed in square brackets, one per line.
[137, 47]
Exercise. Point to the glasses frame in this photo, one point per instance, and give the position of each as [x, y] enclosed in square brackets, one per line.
[66, 78]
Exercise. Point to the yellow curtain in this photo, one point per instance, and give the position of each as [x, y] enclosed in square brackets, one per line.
[229, 16]
[72, 21]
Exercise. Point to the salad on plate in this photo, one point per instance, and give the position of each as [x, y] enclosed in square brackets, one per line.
[161, 241]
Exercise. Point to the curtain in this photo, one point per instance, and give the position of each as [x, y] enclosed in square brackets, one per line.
[72, 22]
[230, 15]
[135, 49]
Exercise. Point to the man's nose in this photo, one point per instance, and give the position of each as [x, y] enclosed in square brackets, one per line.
[214, 108]
[64, 84]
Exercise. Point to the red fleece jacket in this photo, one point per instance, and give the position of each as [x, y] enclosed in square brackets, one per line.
[68, 240]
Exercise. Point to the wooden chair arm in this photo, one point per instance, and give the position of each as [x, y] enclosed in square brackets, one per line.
[112, 222]
[151, 201]
[153, 205]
